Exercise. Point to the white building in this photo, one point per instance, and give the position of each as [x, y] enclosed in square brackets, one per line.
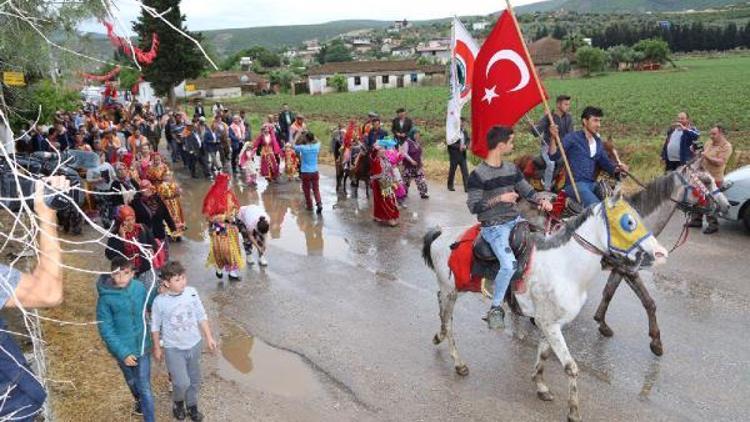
[479, 26]
[402, 52]
[438, 51]
[372, 75]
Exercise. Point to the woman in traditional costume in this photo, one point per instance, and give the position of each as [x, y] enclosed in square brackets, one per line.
[383, 183]
[220, 207]
[157, 170]
[269, 150]
[171, 194]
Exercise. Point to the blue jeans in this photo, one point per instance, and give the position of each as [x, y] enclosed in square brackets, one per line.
[27, 397]
[138, 379]
[499, 239]
[549, 169]
[586, 190]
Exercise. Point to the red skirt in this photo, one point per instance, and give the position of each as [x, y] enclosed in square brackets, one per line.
[384, 208]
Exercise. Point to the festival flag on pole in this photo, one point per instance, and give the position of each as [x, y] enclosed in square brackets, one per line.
[463, 51]
[504, 85]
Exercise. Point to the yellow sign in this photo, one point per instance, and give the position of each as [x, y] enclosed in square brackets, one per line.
[190, 87]
[14, 79]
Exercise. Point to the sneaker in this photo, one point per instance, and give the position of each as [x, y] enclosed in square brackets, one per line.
[234, 275]
[262, 261]
[425, 196]
[178, 410]
[710, 230]
[219, 274]
[496, 318]
[250, 260]
[319, 209]
[137, 410]
[195, 415]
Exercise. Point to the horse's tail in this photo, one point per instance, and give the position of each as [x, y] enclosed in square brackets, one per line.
[430, 237]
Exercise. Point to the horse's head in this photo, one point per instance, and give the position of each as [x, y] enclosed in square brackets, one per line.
[701, 191]
[628, 237]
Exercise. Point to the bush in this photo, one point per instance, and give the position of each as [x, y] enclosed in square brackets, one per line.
[591, 59]
[51, 98]
[283, 78]
[339, 82]
[562, 66]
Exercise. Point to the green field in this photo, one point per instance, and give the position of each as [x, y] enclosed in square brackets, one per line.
[638, 106]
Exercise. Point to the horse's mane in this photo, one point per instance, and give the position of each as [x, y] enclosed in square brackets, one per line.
[649, 199]
[563, 235]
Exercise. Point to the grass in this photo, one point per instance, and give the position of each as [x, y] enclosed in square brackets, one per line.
[638, 106]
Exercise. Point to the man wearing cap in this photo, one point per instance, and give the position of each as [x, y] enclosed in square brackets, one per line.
[401, 126]
[376, 133]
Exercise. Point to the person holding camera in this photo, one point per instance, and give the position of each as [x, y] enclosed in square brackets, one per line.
[679, 146]
[41, 288]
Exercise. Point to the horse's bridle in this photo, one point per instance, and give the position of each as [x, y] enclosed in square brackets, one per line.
[706, 203]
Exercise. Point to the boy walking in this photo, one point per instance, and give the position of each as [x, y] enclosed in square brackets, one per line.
[178, 319]
[493, 191]
[120, 312]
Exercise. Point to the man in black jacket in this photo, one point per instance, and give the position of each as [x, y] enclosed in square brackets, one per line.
[401, 126]
[199, 110]
[286, 117]
[457, 154]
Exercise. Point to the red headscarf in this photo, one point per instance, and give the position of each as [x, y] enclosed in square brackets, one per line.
[349, 135]
[127, 159]
[125, 211]
[220, 199]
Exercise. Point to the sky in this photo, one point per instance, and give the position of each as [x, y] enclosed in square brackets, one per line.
[220, 14]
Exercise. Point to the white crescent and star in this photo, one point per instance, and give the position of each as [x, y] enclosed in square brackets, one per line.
[513, 57]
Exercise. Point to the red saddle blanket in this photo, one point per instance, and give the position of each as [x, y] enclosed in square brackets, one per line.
[461, 261]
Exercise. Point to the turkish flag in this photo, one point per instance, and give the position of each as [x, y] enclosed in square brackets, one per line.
[504, 85]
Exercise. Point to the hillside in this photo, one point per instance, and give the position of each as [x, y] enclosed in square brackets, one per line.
[623, 6]
[230, 41]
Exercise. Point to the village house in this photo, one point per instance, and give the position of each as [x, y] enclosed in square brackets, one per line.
[546, 51]
[398, 26]
[224, 85]
[374, 75]
[361, 45]
[402, 52]
[438, 51]
[479, 26]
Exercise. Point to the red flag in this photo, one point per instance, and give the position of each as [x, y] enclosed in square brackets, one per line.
[505, 87]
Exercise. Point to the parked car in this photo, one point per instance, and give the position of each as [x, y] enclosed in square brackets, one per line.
[738, 195]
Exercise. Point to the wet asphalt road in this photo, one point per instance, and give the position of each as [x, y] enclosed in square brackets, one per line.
[339, 326]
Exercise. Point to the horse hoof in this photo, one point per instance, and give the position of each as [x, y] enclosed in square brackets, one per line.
[462, 370]
[605, 330]
[656, 348]
[574, 418]
[545, 396]
[437, 340]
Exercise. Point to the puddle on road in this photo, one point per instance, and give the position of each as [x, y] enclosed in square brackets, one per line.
[250, 362]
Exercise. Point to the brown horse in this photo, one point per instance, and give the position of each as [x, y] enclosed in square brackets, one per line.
[359, 170]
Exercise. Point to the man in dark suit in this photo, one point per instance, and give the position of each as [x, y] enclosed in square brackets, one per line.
[401, 126]
[457, 154]
[286, 118]
[199, 112]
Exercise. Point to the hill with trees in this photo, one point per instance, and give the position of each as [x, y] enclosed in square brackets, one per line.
[624, 6]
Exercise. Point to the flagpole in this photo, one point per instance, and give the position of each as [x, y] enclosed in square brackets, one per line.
[546, 104]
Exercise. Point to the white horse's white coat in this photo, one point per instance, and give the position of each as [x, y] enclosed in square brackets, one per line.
[556, 292]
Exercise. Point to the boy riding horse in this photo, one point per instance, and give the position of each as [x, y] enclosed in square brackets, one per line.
[493, 190]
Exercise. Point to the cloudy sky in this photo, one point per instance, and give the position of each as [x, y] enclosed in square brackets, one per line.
[218, 14]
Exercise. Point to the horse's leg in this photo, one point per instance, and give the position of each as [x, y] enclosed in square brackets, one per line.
[440, 336]
[609, 291]
[648, 303]
[554, 336]
[450, 302]
[355, 185]
[542, 353]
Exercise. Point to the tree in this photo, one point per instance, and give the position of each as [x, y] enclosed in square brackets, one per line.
[572, 42]
[178, 58]
[591, 59]
[620, 54]
[339, 82]
[335, 51]
[562, 67]
[654, 50]
[283, 78]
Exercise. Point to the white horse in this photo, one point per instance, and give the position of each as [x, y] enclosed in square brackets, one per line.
[561, 271]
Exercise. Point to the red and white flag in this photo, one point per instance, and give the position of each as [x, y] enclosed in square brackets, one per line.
[504, 85]
[463, 51]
